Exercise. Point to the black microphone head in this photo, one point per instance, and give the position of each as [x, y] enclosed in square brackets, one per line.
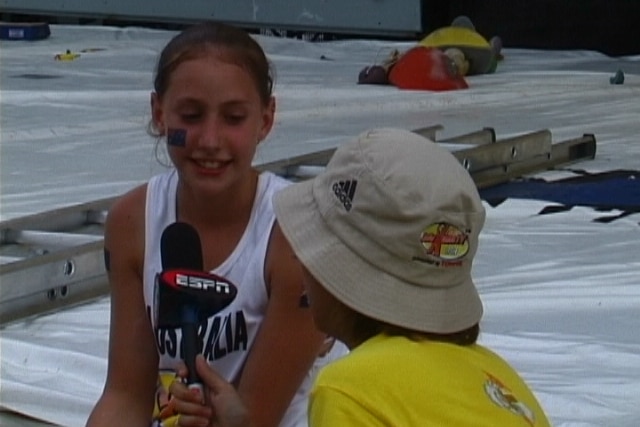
[183, 292]
[180, 247]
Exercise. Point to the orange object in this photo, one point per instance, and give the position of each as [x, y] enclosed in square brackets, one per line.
[422, 68]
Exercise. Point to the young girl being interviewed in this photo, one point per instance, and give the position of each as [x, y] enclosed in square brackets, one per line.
[212, 103]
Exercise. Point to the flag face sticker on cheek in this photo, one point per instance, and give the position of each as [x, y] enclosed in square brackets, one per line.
[177, 137]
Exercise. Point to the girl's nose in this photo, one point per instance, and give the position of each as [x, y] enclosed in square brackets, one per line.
[210, 135]
[208, 141]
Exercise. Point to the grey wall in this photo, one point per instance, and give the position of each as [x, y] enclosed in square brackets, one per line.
[375, 17]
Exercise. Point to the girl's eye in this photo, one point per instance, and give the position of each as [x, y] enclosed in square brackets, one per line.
[235, 118]
[190, 117]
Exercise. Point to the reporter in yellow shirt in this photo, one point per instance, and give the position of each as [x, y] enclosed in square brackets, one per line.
[386, 236]
[396, 380]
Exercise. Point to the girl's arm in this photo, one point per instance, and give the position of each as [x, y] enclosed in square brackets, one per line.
[130, 386]
[287, 343]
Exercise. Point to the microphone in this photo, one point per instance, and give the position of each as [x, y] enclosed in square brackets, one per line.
[185, 295]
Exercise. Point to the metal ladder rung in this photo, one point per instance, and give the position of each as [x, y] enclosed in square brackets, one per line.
[429, 132]
[97, 217]
[49, 238]
[480, 137]
[301, 172]
[505, 151]
[4, 259]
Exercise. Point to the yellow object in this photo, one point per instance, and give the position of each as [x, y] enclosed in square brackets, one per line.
[67, 56]
[455, 37]
[163, 411]
[476, 49]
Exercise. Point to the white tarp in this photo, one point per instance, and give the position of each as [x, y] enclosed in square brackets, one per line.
[561, 292]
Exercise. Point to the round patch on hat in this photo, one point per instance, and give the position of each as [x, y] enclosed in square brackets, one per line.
[446, 242]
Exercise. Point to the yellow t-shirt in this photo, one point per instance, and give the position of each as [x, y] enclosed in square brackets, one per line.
[397, 382]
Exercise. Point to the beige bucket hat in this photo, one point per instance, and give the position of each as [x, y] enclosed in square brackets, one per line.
[390, 228]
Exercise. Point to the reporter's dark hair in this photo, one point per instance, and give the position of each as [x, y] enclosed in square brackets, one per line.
[364, 327]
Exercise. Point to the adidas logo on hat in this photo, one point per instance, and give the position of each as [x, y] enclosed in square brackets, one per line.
[345, 190]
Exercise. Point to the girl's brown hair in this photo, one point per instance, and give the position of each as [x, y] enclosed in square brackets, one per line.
[233, 44]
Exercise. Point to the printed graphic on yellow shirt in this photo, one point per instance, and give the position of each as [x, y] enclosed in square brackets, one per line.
[504, 398]
[163, 411]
